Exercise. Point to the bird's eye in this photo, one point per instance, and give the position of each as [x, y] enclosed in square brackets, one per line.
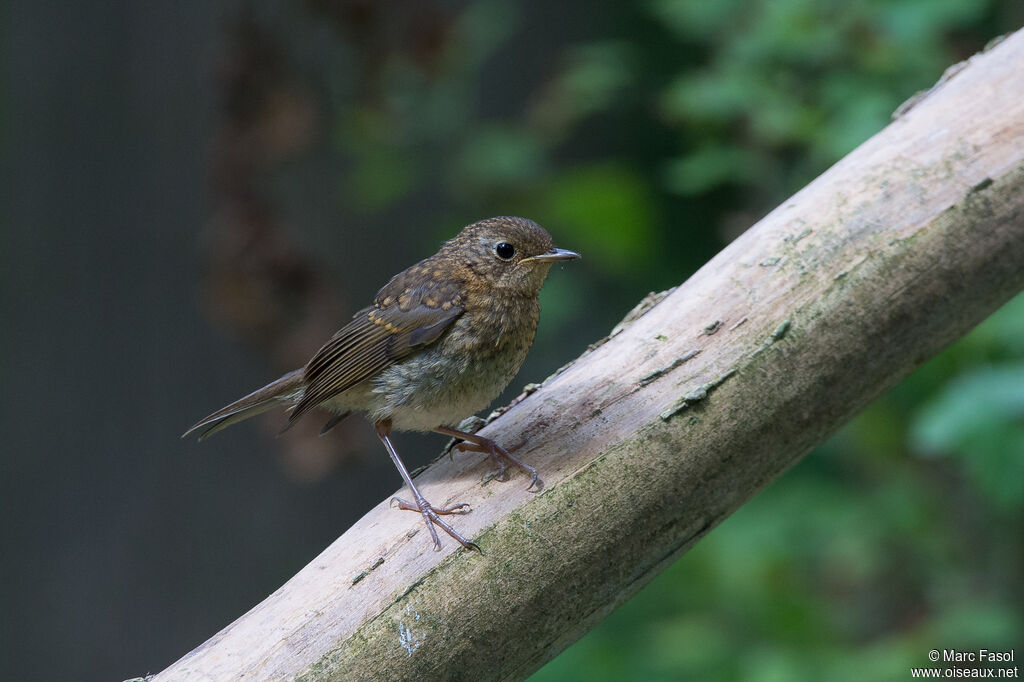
[505, 251]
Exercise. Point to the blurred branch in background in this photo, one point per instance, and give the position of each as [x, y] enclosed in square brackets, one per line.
[260, 285]
[660, 432]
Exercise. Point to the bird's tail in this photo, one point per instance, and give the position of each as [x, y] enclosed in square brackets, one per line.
[285, 390]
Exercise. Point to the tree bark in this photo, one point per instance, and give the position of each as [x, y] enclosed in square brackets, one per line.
[683, 413]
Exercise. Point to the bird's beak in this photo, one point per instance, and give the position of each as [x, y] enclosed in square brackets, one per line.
[551, 256]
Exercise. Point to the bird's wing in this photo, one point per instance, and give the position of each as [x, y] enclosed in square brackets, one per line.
[408, 313]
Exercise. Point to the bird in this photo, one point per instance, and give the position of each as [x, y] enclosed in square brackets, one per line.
[442, 339]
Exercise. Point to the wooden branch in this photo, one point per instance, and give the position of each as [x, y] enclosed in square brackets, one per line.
[653, 437]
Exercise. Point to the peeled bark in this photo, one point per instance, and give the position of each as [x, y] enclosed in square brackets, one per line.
[658, 433]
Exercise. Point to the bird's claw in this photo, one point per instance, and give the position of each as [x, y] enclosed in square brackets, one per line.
[432, 515]
[500, 455]
[460, 508]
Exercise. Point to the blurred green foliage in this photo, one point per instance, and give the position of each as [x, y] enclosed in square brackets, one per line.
[647, 146]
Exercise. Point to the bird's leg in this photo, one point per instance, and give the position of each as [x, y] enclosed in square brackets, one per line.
[474, 443]
[431, 514]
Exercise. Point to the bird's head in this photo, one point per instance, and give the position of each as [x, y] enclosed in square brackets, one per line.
[505, 253]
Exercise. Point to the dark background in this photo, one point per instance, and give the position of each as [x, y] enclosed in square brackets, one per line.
[195, 195]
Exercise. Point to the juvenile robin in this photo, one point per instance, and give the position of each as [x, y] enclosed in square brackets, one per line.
[442, 339]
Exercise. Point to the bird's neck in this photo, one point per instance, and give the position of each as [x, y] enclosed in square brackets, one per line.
[507, 319]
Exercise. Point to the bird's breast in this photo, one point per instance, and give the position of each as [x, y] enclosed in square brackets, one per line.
[460, 374]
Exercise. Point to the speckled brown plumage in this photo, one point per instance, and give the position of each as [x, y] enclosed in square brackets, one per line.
[442, 339]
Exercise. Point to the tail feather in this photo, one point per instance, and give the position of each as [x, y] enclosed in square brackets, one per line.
[287, 389]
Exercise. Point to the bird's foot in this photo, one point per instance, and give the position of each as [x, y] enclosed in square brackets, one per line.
[432, 515]
[501, 456]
